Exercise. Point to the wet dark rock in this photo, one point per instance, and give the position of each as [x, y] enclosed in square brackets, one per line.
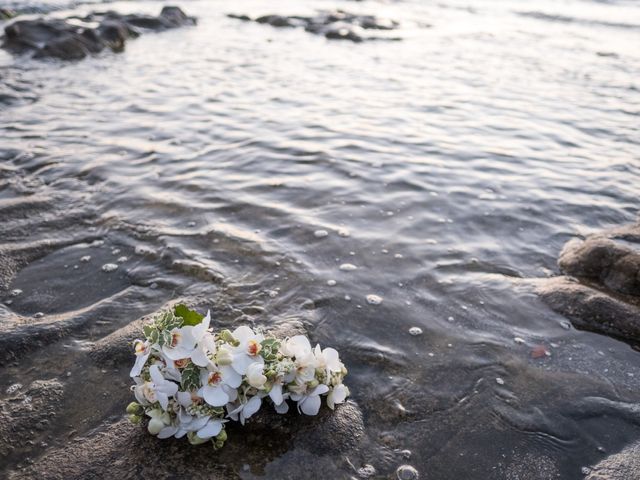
[624, 465]
[334, 25]
[75, 38]
[601, 291]
[123, 450]
[592, 309]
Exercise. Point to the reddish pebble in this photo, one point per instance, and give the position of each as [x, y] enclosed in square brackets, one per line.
[540, 351]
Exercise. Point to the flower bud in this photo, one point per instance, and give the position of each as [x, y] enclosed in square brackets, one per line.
[223, 357]
[155, 425]
[313, 383]
[194, 439]
[217, 445]
[227, 336]
[222, 436]
[135, 419]
[134, 408]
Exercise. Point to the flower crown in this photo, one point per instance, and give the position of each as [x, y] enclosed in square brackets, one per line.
[191, 381]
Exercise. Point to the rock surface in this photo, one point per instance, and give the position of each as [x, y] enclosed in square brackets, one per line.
[122, 450]
[75, 37]
[334, 25]
[601, 289]
[128, 451]
[27, 410]
[624, 465]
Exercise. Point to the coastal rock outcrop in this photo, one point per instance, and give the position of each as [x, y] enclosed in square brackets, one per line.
[601, 289]
[334, 25]
[76, 37]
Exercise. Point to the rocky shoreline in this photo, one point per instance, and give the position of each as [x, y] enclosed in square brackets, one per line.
[75, 38]
[333, 25]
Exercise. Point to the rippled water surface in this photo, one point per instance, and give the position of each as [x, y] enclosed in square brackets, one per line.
[449, 167]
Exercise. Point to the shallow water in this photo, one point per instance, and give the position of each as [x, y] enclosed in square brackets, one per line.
[449, 167]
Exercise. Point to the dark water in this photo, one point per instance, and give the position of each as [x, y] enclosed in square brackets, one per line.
[449, 168]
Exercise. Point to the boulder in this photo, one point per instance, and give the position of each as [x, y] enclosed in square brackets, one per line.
[334, 25]
[592, 309]
[614, 265]
[74, 38]
[600, 290]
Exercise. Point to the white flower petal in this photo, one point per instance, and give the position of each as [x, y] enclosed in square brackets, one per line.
[199, 357]
[199, 330]
[163, 399]
[213, 428]
[299, 345]
[167, 432]
[320, 389]
[243, 334]
[276, 393]
[215, 396]
[241, 361]
[252, 406]
[177, 353]
[197, 423]
[184, 398]
[332, 359]
[232, 392]
[156, 376]
[310, 405]
[230, 376]
[139, 365]
[282, 408]
[340, 393]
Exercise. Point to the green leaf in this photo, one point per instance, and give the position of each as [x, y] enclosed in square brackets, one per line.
[189, 317]
[190, 378]
[148, 330]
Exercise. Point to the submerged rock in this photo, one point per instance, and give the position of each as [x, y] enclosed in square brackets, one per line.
[75, 37]
[335, 25]
[601, 291]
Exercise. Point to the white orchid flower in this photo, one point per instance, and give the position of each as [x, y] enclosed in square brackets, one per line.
[241, 411]
[248, 351]
[185, 422]
[205, 342]
[309, 404]
[142, 350]
[181, 345]
[327, 359]
[337, 395]
[159, 419]
[157, 390]
[255, 375]
[297, 346]
[170, 368]
[305, 361]
[279, 398]
[219, 385]
[183, 340]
